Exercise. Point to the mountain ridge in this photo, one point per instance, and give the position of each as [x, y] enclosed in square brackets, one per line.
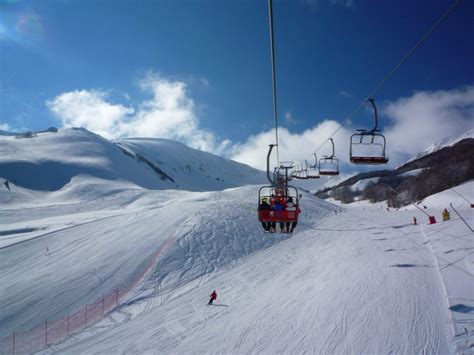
[48, 160]
[412, 181]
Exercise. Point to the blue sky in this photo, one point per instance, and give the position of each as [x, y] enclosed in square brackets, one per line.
[143, 63]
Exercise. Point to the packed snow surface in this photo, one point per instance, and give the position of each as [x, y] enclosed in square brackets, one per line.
[361, 279]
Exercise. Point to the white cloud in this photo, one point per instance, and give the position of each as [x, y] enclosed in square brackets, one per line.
[205, 82]
[425, 118]
[5, 127]
[289, 117]
[344, 93]
[170, 113]
[415, 123]
[292, 146]
[89, 109]
[345, 3]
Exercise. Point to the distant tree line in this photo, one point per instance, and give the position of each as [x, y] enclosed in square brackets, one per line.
[441, 170]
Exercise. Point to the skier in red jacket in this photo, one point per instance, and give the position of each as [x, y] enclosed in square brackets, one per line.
[213, 297]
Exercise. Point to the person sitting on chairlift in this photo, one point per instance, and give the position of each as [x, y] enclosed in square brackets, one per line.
[278, 205]
[264, 206]
[290, 206]
[272, 200]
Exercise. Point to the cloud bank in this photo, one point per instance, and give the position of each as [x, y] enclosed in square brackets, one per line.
[411, 124]
[425, 118]
[170, 113]
[4, 127]
[292, 146]
[89, 109]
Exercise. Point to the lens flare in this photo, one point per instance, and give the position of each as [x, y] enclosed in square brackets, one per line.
[29, 26]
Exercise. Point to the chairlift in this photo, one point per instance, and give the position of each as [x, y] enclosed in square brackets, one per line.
[284, 167]
[278, 189]
[368, 147]
[329, 165]
[295, 171]
[313, 172]
[303, 174]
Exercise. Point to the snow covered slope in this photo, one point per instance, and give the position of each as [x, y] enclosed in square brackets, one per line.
[446, 142]
[191, 169]
[354, 280]
[49, 160]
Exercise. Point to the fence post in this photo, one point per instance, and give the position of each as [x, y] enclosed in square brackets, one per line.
[13, 343]
[46, 332]
[68, 324]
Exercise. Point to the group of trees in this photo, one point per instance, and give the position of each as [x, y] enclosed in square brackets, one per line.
[438, 171]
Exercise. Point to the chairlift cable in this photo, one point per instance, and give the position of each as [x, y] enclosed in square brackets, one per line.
[272, 47]
[457, 193]
[395, 69]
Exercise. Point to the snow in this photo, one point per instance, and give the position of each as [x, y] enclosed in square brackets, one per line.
[363, 281]
[445, 142]
[362, 184]
[193, 169]
[50, 160]
[358, 278]
[413, 172]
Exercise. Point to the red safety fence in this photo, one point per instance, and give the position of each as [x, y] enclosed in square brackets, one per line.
[53, 331]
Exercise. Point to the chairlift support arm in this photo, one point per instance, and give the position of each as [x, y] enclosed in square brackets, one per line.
[376, 116]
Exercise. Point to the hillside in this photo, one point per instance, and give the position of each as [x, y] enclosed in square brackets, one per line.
[362, 280]
[93, 261]
[48, 161]
[431, 173]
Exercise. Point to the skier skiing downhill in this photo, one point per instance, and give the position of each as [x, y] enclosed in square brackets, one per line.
[213, 297]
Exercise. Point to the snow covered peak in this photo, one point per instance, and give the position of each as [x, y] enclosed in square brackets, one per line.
[445, 142]
[48, 160]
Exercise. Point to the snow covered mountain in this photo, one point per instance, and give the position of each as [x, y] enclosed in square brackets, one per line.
[100, 252]
[48, 161]
[446, 142]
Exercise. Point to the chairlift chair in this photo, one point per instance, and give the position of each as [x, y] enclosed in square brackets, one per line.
[295, 171]
[368, 147]
[272, 216]
[278, 187]
[313, 172]
[329, 165]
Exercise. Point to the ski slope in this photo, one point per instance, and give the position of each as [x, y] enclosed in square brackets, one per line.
[364, 280]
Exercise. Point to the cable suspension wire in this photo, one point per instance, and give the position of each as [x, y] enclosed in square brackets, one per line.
[457, 193]
[272, 46]
[394, 69]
